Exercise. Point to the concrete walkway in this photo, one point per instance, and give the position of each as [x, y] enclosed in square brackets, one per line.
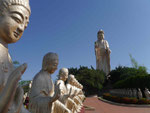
[102, 107]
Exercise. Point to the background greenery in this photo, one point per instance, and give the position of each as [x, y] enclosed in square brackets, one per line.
[130, 77]
[91, 79]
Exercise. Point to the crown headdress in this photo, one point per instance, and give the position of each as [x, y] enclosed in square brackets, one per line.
[100, 31]
[24, 3]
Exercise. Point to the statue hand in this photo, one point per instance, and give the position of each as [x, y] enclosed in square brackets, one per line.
[7, 95]
[68, 95]
[18, 101]
[74, 94]
[57, 91]
[70, 92]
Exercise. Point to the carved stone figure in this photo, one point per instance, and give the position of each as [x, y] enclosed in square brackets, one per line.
[74, 91]
[147, 93]
[135, 93]
[140, 93]
[79, 88]
[102, 53]
[14, 18]
[65, 94]
[63, 75]
[42, 93]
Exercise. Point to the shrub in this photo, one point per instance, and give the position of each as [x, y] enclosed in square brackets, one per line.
[134, 82]
[107, 96]
[133, 100]
[121, 73]
[143, 101]
[125, 100]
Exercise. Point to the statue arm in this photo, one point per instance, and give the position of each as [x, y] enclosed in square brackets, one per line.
[56, 93]
[107, 47]
[96, 46]
[64, 97]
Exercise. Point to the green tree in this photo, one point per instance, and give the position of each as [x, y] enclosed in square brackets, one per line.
[122, 72]
[16, 63]
[134, 82]
[25, 85]
[136, 65]
[91, 79]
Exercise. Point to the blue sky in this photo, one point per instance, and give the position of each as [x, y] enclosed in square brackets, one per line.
[69, 28]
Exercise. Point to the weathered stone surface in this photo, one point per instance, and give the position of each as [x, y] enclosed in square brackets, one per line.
[14, 18]
[102, 53]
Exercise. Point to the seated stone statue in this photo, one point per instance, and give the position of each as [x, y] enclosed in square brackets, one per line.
[74, 92]
[147, 93]
[43, 95]
[14, 18]
[63, 75]
[79, 88]
[140, 93]
[65, 94]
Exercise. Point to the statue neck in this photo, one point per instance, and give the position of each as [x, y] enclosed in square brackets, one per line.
[46, 72]
[3, 44]
[71, 83]
[100, 40]
[61, 78]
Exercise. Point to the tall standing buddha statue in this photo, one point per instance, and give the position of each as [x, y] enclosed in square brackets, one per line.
[102, 53]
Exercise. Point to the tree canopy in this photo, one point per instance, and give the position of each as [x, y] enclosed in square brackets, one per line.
[91, 79]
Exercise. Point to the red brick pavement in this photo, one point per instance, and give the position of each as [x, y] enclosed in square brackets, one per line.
[102, 107]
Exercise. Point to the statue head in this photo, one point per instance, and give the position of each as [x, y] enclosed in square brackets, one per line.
[14, 18]
[63, 74]
[139, 89]
[70, 79]
[50, 62]
[100, 35]
[146, 89]
[76, 82]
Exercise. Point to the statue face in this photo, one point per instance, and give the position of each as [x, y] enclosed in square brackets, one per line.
[100, 36]
[52, 67]
[13, 23]
[64, 75]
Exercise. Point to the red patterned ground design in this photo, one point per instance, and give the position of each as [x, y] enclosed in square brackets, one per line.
[103, 107]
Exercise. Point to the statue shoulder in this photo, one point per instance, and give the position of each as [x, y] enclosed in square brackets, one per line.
[96, 42]
[59, 82]
[39, 77]
[105, 41]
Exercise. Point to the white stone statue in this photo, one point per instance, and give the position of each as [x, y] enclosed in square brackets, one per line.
[42, 93]
[135, 93]
[140, 93]
[43, 96]
[147, 93]
[102, 53]
[14, 18]
[79, 89]
[63, 75]
[65, 93]
[74, 92]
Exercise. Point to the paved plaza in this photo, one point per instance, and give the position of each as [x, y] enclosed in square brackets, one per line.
[102, 107]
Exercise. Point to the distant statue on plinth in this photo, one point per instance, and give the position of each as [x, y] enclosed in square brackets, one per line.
[102, 53]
